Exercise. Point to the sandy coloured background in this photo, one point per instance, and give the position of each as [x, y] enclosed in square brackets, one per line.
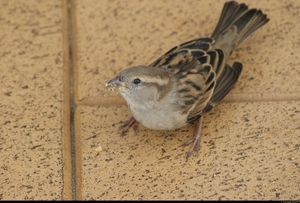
[59, 135]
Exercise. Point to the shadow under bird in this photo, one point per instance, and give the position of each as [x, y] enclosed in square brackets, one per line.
[189, 80]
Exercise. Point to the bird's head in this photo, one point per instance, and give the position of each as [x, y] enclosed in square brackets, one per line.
[141, 84]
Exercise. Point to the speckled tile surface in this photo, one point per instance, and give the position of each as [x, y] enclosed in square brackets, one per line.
[250, 144]
[32, 104]
[113, 35]
[246, 153]
[249, 149]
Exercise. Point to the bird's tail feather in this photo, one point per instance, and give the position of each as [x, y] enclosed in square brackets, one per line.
[246, 20]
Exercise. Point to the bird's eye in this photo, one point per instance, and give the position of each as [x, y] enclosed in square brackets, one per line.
[136, 81]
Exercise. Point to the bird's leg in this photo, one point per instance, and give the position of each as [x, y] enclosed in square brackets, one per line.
[195, 140]
[127, 125]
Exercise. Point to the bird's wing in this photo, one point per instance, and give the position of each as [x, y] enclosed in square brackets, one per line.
[203, 77]
[200, 49]
[196, 67]
[225, 82]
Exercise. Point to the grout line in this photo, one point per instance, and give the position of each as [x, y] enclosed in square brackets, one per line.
[72, 104]
[66, 138]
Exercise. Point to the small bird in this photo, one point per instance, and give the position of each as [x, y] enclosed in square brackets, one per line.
[190, 79]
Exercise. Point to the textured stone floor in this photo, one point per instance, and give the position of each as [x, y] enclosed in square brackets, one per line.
[59, 126]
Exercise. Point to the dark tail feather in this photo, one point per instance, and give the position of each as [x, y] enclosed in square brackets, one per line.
[246, 20]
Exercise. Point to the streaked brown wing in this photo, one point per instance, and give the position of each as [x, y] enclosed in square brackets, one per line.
[199, 46]
[212, 63]
[198, 68]
[200, 49]
[196, 78]
[224, 84]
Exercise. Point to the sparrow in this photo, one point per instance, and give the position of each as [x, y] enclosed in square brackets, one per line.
[190, 79]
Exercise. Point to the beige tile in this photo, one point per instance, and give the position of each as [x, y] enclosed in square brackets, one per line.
[248, 151]
[34, 112]
[109, 36]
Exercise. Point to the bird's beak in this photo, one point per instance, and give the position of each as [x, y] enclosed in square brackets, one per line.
[116, 84]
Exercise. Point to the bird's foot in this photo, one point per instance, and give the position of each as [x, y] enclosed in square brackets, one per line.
[195, 141]
[125, 127]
